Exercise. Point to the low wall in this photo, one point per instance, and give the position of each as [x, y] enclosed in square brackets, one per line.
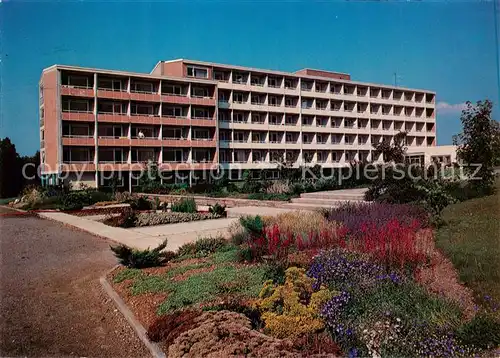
[228, 202]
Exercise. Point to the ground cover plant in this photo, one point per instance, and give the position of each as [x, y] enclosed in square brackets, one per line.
[344, 282]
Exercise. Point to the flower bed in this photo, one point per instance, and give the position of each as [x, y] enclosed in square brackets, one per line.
[162, 218]
[303, 284]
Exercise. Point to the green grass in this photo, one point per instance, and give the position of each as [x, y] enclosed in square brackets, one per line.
[206, 286]
[471, 239]
[129, 273]
[407, 301]
[229, 254]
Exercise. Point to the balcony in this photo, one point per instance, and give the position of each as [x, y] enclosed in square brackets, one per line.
[111, 93]
[223, 104]
[203, 143]
[77, 91]
[112, 117]
[142, 95]
[81, 116]
[143, 118]
[79, 140]
[110, 141]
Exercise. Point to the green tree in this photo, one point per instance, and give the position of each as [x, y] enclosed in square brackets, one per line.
[392, 152]
[479, 143]
[10, 169]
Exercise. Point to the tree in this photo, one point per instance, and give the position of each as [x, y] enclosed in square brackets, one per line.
[394, 152]
[479, 143]
[10, 169]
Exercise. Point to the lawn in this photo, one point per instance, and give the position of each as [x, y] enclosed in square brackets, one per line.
[471, 239]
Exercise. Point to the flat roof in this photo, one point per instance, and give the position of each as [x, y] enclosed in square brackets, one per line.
[293, 74]
[127, 74]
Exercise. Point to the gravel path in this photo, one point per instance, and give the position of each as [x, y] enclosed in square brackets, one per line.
[51, 302]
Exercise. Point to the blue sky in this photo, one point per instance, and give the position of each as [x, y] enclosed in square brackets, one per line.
[448, 47]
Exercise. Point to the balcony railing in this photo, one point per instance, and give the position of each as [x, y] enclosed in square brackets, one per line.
[78, 87]
[204, 118]
[174, 94]
[77, 136]
[145, 114]
[75, 111]
[111, 89]
[143, 92]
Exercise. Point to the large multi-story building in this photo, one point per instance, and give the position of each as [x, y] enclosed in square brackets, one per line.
[192, 117]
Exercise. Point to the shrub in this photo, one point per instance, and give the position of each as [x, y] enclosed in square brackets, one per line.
[218, 209]
[75, 200]
[354, 215]
[184, 205]
[300, 222]
[168, 327]
[278, 187]
[141, 203]
[237, 233]
[291, 310]
[227, 334]
[483, 331]
[127, 218]
[134, 258]
[253, 225]
[163, 218]
[125, 197]
[202, 247]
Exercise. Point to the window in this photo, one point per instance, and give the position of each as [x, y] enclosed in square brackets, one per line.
[225, 156]
[175, 156]
[201, 113]
[256, 118]
[239, 137]
[219, 76]
[142, 109]
[78, 81]
[274, 138]
[201, 156]
[197, 72]
[273, 119]
[256, 138]
[289, 84]
[306, 138]
[110, 84]
[200, 92]
[76, 155]
[289, 102]
[319, 139]
[201, 134]
[111, 155]
[272, 174]
[143, 87]
[289, 120]
[289, 138]
[225, 135]
[173, 112]
[173, 90]
[272, 82]
[273, 101]
[238, 97]
[76, 105]
[238, 78]
[257, 156]
[319, 157]
[173, 133]
[223, 116]
[239, 117]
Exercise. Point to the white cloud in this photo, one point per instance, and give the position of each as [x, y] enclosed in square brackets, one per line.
[445, 107]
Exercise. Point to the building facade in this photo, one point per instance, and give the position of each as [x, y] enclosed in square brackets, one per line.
[193, 117]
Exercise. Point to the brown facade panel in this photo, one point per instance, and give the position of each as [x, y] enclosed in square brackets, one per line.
[174, 68]
[77, 92]
[78, 141]
[327, 74]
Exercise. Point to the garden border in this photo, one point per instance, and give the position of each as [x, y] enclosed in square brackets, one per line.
[139, 329]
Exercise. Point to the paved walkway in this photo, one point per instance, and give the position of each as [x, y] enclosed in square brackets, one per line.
[152, 236]
[51, 301]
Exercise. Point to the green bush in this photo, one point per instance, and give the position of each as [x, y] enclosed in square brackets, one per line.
[218, 209]
[252, 224]
[74, 200]
[141, 203]
[202, 247]
[185, 205]
[483, 331]
[133, 258]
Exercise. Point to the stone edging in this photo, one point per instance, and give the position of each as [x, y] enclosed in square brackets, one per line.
[139, 329]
